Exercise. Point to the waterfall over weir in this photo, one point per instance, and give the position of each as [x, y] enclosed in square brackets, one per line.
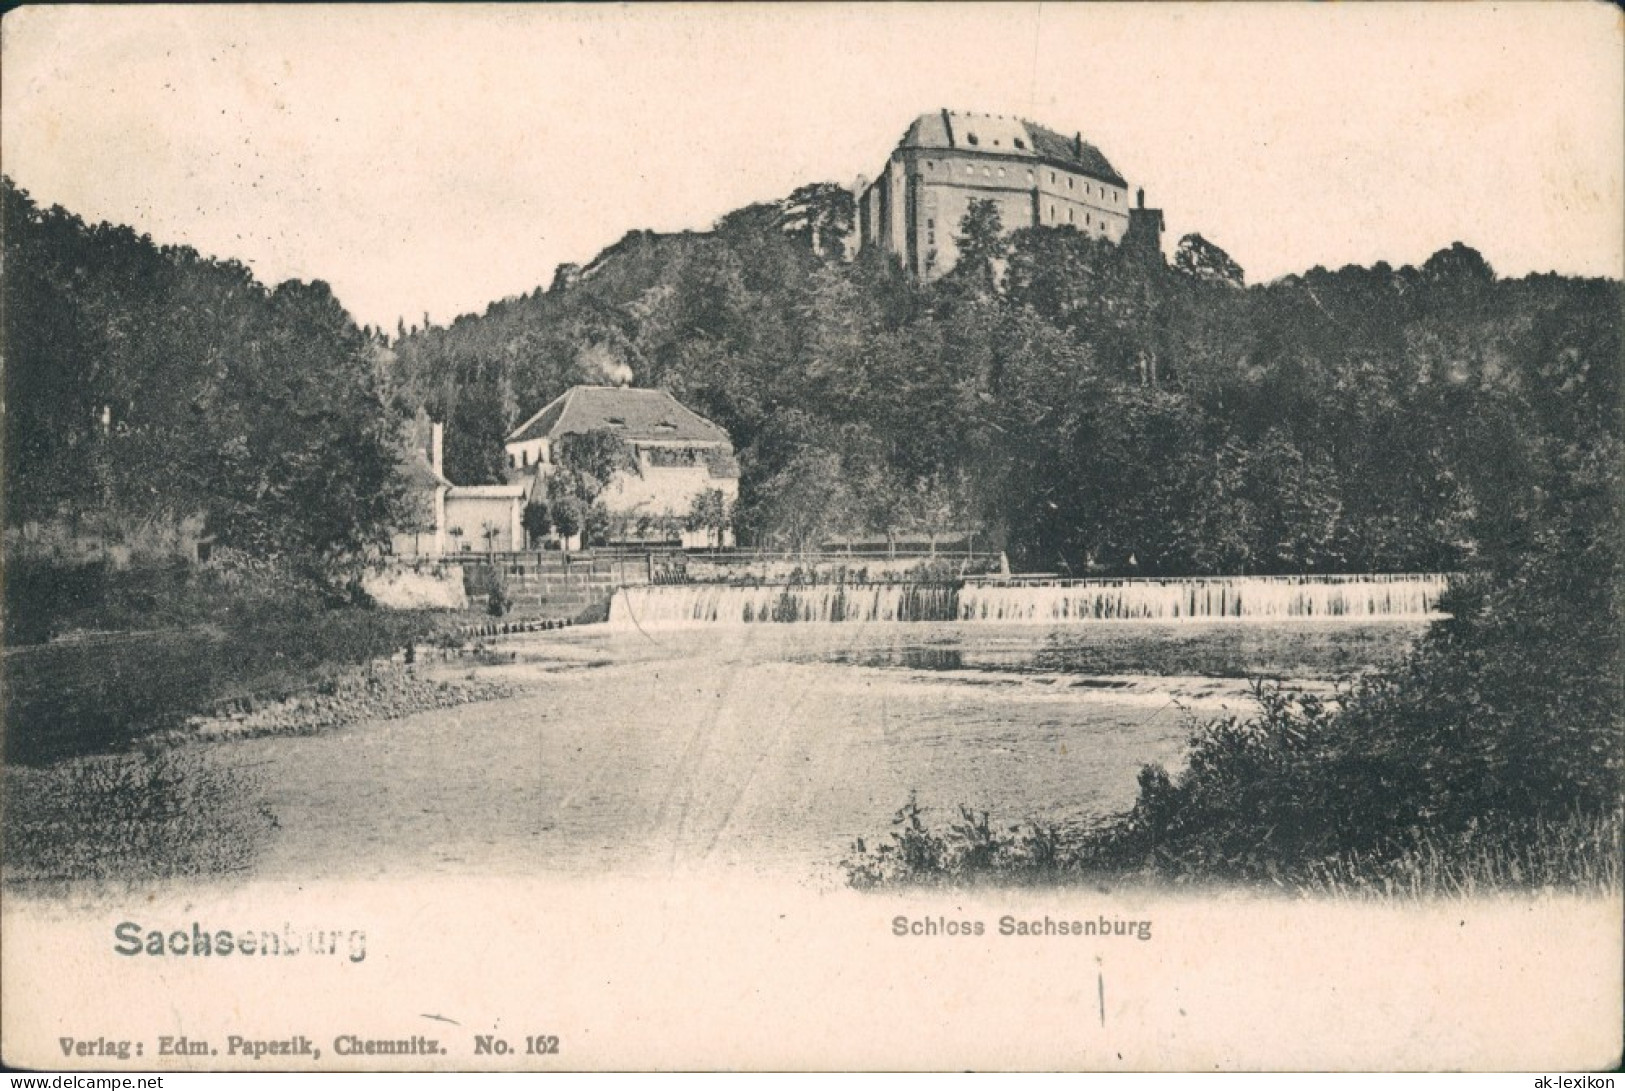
[668, 605]
[1204, 598]
[1035, 600]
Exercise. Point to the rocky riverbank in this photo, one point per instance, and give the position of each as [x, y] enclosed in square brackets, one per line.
[380, 692]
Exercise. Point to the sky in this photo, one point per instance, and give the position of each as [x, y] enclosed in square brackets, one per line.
[429, 160]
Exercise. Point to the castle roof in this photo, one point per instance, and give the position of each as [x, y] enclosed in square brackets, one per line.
[996, 134]
[633, 413]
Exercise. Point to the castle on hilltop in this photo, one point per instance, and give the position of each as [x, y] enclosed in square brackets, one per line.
[1035, 176]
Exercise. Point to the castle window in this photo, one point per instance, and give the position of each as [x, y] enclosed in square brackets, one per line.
[1001, 172]
[1052, 177]
[929, 224]
[1020, 143]
[987, 172]
[970, 138]
[930, 165]
[524, 458]
[1071, 215]
[1069, 182]
[1029, 175]
[1088, 219]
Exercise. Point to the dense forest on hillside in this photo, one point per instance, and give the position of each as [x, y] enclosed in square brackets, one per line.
[145, 385]
[1097, 408]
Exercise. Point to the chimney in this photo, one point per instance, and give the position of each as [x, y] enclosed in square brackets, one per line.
[1139, 196]
[1077, 144]
[437, 447]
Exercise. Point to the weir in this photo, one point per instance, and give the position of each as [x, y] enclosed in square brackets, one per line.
[1036, 600]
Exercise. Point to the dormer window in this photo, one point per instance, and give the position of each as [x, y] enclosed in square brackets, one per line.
[618, 422]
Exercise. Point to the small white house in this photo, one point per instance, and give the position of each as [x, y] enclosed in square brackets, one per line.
[678, 454]
[485, 518]
[450, 519]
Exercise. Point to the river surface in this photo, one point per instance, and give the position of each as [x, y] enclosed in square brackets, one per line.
[768, 747]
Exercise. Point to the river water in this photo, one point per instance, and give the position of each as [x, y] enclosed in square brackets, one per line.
[762, 748]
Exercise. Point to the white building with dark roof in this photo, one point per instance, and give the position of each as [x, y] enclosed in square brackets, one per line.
[1035, 176]
[678, 455]
[443, 518]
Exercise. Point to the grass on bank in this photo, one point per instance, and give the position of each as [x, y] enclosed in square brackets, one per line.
[98, 657]
[1578, 853]
[94, 696]
[149, 814]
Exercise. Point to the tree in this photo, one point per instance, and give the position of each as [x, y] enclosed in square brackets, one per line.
[537, 521]
[1295, 504]
[567, 512]
[592, 460]
[489, 533]
[309, 460]
[820, 216]
[805, 502]
[1458, 264]
[708, 512]
[981, 244]
[1196, 257]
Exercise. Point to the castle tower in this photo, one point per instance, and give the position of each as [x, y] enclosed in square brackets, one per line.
[1145, 228]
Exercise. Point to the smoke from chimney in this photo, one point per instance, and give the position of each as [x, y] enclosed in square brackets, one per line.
[599, 361]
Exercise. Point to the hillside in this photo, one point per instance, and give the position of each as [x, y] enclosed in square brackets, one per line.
[1093, 408]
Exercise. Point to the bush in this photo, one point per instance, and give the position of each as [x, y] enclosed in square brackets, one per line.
[499, 601]
[132, 816]
[971, 850]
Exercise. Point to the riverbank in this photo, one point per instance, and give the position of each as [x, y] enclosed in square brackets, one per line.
[107, 692]
[177, 806]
